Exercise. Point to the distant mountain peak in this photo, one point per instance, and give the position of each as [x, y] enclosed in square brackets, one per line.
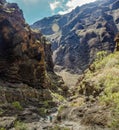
[2, 1]
[83, 32]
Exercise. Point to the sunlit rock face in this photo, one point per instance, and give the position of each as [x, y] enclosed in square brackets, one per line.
[82, 33]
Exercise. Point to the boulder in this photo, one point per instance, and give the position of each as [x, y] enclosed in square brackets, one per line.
[7, 122]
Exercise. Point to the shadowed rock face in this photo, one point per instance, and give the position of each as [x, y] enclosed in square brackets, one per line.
[22, 53]
[83, 32]
[26, 67]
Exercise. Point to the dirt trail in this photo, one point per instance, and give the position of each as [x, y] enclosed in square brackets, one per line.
[46, 124]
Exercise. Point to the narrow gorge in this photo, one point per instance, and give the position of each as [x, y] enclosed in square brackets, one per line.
[62, 72]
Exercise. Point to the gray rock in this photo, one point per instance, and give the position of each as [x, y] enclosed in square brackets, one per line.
[7, 122]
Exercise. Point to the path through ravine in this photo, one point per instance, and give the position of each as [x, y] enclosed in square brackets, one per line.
[46, 124]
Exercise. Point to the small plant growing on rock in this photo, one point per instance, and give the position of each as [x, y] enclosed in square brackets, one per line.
[46, 104]
[20, 126]
[58, 97]
[61, 108]
[42, 111]
[2, 128]
[1, 111]
[17, 105]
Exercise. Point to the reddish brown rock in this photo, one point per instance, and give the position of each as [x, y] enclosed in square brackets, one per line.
[21, 50]
[25, 59]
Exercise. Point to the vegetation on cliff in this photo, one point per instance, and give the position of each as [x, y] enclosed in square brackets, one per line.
[100, 83]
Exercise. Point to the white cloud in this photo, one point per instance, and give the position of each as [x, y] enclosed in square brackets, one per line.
[72, 4]
[64, 12]
[75, 3]
[54, 5]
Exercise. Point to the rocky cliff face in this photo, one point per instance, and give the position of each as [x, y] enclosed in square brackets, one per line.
[21, 49]
[26, 67]
[83, 32]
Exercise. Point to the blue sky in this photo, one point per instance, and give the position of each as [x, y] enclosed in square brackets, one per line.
[37, 9]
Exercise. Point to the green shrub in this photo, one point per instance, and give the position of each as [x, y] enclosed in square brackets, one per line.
[42, 111]
[2, 128]
[106, 61]
[46, 104]
[100, 55]
[17, 105]
[61, 108]
[1, 111]
[105, 78]
[58, 97]
[107, 69]
[20, 126]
